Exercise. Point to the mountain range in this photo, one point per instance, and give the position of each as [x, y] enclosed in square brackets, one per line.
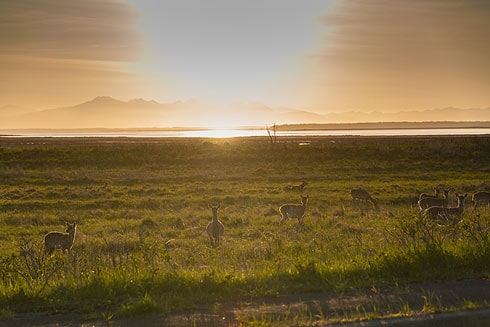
[107, 112]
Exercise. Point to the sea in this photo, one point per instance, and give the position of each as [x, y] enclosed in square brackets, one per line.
[230, 133]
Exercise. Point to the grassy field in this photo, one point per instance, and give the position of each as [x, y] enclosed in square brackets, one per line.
[141, 208]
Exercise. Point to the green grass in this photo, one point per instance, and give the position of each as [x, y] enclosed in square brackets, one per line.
[142, 208]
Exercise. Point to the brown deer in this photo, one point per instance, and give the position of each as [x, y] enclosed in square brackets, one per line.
[62, 241]
[359, 194]
[480, 198]
[298, 188]
[294, 210]
[434, 195]
[433, 202]
[215, 228]
[445, 214]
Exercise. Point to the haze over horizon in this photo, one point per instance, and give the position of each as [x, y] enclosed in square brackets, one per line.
[321, 57]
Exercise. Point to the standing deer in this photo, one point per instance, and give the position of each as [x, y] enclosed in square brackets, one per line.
[480, 198]
[215, 227]
[434, 195]
[57, 240]
[445, 214]
[294, 210]
[433, 202]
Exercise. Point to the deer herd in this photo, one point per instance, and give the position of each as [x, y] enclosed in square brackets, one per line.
[430, 204]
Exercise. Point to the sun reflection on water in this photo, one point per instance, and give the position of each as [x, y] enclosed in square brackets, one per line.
[223, 133]
[243, 132]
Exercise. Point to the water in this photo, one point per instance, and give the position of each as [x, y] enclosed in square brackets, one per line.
[227, 133]
[392, 132]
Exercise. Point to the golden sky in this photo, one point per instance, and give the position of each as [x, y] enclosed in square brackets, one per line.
[317, 55]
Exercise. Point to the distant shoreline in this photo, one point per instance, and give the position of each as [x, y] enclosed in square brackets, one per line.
[279, 127]
[383, 125]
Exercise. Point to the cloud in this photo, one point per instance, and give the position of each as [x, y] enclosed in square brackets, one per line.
[416, 53]
[380, 30]
[88, 29]
[56, 52]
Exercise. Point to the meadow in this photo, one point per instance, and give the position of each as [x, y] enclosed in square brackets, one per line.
[142, 206]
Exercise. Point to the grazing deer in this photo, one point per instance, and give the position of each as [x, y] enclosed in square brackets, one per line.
[433, 202]
[359, 194]
[479, 198]
[299, 187]
[294, 210]
[445, 214]
[215, 227]
[437, 191]
[57, 240]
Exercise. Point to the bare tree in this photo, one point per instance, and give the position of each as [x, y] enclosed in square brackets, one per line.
[271, 131]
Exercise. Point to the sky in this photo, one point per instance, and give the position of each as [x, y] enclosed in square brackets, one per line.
[317, 55]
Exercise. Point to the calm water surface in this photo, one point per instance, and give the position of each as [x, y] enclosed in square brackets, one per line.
[225, 133]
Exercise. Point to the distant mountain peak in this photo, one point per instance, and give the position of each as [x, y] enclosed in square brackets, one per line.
[143, 101]
[103, 99]
[100, 101]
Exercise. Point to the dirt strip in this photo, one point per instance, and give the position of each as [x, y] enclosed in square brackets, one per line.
[373, 307]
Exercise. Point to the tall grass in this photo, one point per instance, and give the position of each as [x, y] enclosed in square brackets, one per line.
[141, 210]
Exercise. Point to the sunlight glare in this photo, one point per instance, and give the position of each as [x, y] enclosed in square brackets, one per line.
[224, 133]
[226, 50]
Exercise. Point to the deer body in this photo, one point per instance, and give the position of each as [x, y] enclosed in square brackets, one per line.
[446, 214]
[435, 195]
[299, 187]
[294, 210]
[62, 241]
[215, 228]
[480, 198]
[433, 202]
[361, 195]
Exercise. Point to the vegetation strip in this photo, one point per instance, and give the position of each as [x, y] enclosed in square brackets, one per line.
[141, 208]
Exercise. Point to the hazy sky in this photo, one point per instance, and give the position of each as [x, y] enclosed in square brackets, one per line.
[318, 55]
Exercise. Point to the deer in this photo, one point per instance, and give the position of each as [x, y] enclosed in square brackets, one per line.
[215, 228]
[359, 194]
[434, 195]
[294, 210]
[445, 214]
[299, 187]
[479, 198]
[433, 202]
[58, 240]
